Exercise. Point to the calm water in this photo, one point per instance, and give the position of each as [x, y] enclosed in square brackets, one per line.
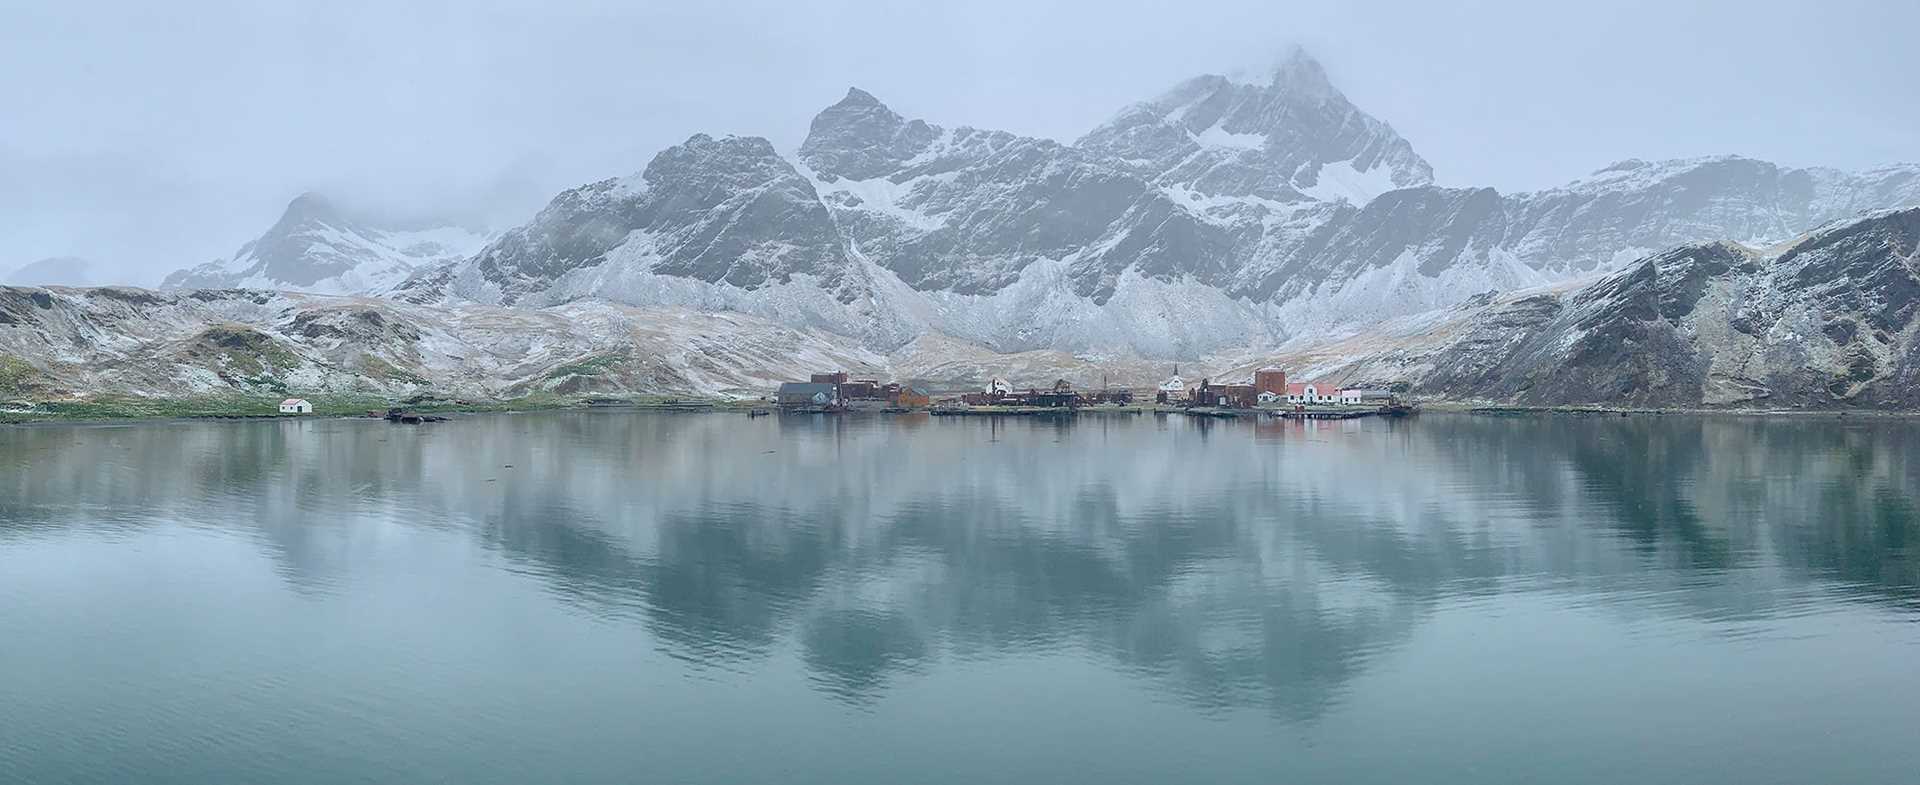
[618, 597]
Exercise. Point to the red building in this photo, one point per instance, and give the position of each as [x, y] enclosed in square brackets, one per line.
[1270, 380]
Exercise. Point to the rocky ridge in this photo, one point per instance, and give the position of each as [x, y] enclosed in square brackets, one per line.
[1829, 320]
[1222, 214]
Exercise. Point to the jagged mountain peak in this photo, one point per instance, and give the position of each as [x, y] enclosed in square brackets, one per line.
[717, 162]
[859, 138]
[859, 97]
[704, 145]
[1298, 75]
[1292, 137]
[1224, 211]
[1295, 80]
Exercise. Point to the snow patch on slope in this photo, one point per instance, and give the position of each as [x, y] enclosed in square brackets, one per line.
[1398, 289]
[882, 196]
[1340, 180]
[1221, 137]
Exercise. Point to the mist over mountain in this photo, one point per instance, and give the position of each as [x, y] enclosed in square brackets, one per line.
[1224, 219]
[1223, 213]
[55, 271]
[319, 247]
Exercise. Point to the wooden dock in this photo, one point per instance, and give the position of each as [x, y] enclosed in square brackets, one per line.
[1003, 411]
[1344, 413]
[1323, 413]
[1327, 414]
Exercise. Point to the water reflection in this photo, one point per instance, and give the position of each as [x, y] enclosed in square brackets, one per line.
[1232, 564]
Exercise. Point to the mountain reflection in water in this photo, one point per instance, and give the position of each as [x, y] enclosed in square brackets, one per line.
[1232, 563]
[610, 596]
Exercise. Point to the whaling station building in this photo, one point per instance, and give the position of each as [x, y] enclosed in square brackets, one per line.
[1061, 395]
[1269, 388]
[837, 392]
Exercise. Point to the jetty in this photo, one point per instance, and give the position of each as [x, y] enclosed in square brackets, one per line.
[1003, 411]
[1347, 412]
[1326, 415]
[1267, 394]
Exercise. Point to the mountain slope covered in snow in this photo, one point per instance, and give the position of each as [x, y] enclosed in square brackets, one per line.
[317, 247]
[1222, 214]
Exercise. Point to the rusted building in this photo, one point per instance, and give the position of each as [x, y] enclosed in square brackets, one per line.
[862, 390]
[912, 395]
[1270, 380]
[1225, 396]
[1056, 397]
[990, 398]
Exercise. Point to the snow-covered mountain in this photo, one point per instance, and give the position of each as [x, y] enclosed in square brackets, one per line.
[61, 343]
[1222, 214]
[1288, 138]
[319, 248]
[1828, 320]
[1825, 321]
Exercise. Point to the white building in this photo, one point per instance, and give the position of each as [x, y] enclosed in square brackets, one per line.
[999, 385]
[1372, 397]
[1311, 392]
[1174, 387]
[296, 406]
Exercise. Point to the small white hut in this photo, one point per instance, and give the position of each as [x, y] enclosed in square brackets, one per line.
[296, 406]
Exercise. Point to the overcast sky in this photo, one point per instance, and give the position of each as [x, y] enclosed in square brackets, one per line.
[150, 136]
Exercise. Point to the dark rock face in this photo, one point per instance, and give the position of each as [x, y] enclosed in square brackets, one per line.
[1827, 323]
[860, 139]
[1475, 365]
[363, 325]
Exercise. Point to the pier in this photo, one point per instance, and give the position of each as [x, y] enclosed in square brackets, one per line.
[1269, 394]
